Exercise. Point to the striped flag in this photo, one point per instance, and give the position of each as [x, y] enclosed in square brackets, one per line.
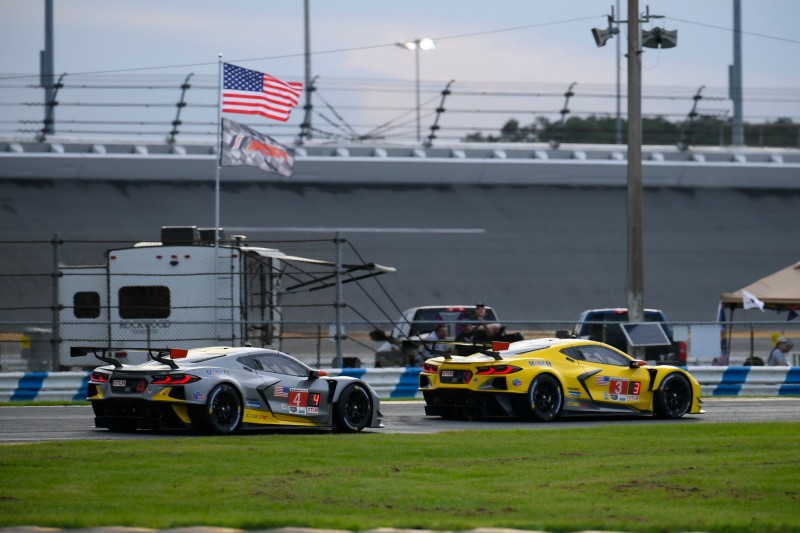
[250, 92]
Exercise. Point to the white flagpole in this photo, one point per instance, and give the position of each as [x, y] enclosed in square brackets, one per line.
[218, 152]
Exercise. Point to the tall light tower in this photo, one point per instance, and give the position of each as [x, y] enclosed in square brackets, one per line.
[47, 70]
[735, 75]
[416, 45]
[654, 38]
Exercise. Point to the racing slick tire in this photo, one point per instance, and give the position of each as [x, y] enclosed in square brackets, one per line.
[222, 414]
[353, 411]
[544, 399]
[674, 397]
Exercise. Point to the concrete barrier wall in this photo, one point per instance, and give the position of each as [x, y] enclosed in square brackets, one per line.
[401, 383]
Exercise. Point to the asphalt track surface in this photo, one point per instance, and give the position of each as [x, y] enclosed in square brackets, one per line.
[546, 253]
[69, 423]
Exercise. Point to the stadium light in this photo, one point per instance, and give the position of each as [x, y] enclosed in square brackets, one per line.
[416, 45]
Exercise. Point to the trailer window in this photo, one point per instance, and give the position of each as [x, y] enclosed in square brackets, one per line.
[144, 302]
[86, 304]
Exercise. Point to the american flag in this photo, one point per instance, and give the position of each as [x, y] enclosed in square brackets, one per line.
[281, 392]
[250, 92]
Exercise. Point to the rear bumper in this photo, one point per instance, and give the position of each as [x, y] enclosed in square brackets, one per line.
[461, 403]
[131, 414]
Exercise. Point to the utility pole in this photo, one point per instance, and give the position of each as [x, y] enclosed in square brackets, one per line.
[635, 277]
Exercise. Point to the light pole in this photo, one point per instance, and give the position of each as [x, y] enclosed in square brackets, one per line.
[416, 45]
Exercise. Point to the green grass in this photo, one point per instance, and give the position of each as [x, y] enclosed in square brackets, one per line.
[660, 477]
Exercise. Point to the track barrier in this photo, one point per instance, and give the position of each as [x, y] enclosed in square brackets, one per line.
[401, 383]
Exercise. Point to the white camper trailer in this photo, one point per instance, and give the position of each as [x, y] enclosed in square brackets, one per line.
[183, 292]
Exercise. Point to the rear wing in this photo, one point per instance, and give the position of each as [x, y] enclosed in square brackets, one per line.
[162, 355]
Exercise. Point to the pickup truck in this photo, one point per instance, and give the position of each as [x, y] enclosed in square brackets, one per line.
[395, 349]
[604, 325]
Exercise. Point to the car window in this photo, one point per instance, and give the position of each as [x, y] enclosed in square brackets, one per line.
[279, 363]
[600, 355]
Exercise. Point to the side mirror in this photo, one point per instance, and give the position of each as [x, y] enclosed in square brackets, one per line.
[637, 363]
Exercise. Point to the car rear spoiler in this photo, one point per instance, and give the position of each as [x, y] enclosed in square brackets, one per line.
[490, 348]
[162, 355]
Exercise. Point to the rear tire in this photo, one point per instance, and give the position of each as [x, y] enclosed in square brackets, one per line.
[674, 397]
[222, 414]
[353, 411]
[544, 400]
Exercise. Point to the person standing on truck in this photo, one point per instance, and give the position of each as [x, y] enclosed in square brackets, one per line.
[485, 330]
[777, 357]
[439, 333]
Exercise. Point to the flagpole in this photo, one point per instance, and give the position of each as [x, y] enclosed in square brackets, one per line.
[218, 152]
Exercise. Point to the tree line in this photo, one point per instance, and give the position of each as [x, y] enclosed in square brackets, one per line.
[703, 130]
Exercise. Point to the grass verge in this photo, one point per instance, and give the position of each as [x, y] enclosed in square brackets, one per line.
[664, 477]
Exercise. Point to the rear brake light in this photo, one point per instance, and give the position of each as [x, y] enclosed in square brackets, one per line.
[498, 370]
[174, 379]
[99, 377]
[682, 352]
[428, 368]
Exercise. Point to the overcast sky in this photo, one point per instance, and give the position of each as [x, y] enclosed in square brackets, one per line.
[505, 46]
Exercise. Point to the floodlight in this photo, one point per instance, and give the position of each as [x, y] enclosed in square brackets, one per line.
[659, 38]
[426, 44]
[601, 37]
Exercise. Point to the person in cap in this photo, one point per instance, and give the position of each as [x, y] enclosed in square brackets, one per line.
[777, 357]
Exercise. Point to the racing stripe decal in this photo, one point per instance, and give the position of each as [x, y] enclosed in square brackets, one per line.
[29, 386]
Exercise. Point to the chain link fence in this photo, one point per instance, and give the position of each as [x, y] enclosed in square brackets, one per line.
[127, 294]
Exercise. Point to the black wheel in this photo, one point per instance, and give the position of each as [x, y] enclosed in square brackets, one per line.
[674, 397]
[222, 414]
[544, 399]
[353, 411]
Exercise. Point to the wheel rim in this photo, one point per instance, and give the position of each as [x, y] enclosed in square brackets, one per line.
[545, 397]
[676, 394]
[357, 407]
[225, 410]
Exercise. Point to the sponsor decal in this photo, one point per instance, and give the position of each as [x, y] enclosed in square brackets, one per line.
[255, 405]
[539, 362]
[447, 373]
[516, 382]
[313, 410]
[198, 396]
[119, 383]
[574, 393]
[216, 372]
[573, 404]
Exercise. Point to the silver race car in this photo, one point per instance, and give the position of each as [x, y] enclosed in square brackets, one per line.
[220, 390]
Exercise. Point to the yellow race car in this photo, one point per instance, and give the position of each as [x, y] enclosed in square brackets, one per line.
[542, 379]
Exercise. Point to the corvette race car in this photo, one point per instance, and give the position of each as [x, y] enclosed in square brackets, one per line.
[220, 390]
[542, 379]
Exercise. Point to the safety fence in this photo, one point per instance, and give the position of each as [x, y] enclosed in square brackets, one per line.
[401, 383]
[32, 346]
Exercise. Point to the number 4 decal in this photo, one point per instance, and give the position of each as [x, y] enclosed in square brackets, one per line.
[298, 397]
